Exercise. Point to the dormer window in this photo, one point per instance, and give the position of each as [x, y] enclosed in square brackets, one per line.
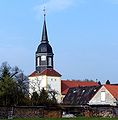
[74, 91]
[83, 91]
[95, 90]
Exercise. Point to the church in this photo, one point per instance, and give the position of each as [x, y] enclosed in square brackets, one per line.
[45, 76]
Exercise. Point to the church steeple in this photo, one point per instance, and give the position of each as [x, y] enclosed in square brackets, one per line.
[44, 53]
[44, 33]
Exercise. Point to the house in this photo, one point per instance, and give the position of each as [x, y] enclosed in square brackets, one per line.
[106, 95]
[96, 101]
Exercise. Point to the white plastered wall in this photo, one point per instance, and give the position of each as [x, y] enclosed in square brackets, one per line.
[36, 83]
[55, 84]
[39, 82]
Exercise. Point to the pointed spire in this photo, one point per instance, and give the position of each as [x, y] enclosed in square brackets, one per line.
[44, 33]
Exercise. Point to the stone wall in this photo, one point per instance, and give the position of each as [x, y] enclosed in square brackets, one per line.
[29, 112]
[105, 111]
[55, 112]
[92, 111]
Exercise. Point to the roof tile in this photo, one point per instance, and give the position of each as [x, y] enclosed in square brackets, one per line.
[66, 84]
[113, 89]
[80, 95]
[48, 72]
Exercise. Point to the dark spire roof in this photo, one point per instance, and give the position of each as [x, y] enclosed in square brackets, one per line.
[44, 33]
[44, 47]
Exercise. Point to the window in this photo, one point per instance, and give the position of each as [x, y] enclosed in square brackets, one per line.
[49, 61]
[38, 61]
[74, 91]
[43, 58]
[103, 96]
[95, 90]
[83, 91]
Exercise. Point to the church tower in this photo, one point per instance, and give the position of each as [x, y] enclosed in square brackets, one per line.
[44, 75]
[44, 53]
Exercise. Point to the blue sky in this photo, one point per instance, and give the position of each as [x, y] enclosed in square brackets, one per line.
[83, 33]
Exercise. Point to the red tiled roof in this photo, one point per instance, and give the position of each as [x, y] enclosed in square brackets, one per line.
[34, 74]
[66, 84]
[113, 89]
[48, 72]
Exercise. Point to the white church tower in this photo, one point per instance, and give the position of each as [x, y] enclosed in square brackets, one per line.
[45, 76]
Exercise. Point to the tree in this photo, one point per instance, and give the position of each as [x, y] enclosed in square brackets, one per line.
[46, 97]
[87, 80]
[35, 99]
[52, 94]
[43, 97]
[99, 83]
[8, 87]
[107, 82]
[11, 91]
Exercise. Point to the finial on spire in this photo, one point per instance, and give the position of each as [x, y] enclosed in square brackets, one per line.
[44, 33]
[44, 10]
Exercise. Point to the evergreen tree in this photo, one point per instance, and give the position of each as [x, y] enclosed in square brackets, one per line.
[11, 92]
[35, 99]
[99, 83]
[43, 97]
[107, 82]
[8, 87]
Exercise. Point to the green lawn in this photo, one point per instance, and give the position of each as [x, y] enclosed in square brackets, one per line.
[79, 118]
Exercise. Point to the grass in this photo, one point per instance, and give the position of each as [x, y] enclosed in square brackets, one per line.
[79, 118]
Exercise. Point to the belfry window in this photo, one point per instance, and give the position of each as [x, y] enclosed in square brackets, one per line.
[38, 61]
[49, 61]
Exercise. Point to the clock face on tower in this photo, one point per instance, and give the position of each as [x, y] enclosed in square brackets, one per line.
[43, 58]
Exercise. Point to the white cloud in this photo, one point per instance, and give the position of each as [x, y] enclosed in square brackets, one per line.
[55, 5]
